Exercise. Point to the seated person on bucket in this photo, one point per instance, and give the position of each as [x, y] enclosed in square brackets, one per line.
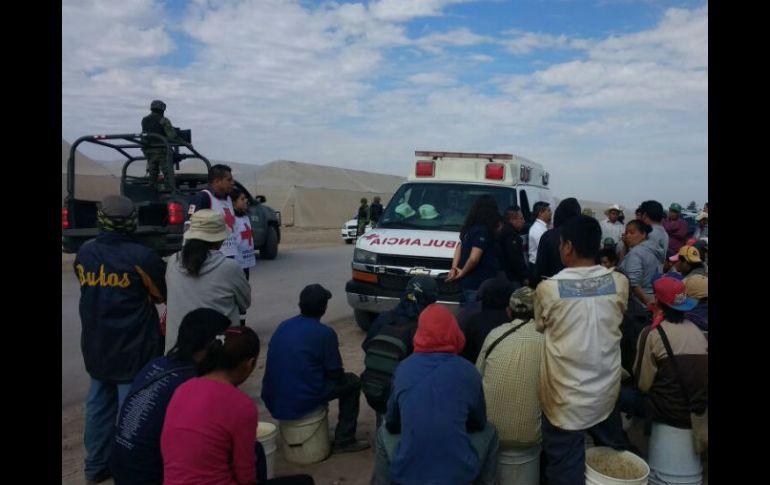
[509, 364]
[436, 428]
[136, 455]
[210, 426]
[304, 370]
[671, 368]
[389, 341]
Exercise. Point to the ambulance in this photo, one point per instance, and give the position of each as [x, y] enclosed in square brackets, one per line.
[420, 227]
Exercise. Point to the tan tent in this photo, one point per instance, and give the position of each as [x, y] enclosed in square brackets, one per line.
[93, 180]
[307, 195]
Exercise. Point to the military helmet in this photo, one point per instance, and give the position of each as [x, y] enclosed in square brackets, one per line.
[158, 104]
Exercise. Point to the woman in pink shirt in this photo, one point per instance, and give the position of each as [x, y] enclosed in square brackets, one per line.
[210, 427]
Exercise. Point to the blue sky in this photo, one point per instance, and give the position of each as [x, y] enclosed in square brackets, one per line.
[611, 96]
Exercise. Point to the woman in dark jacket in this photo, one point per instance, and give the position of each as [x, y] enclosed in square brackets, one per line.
[476, 258]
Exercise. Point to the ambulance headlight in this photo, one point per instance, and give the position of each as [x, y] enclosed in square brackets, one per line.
[366, 257]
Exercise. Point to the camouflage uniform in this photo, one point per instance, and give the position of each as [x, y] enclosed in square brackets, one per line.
[363, 217]
[157, 159]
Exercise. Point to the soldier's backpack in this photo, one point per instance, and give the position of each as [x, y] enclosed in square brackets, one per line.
[383, 354]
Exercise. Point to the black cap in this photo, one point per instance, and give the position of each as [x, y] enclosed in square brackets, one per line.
[314, 296]
[495, 293]
[423, 288]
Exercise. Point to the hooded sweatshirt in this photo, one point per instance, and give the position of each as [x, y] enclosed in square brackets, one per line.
[548, 261]
[437, 399]
[220, 285]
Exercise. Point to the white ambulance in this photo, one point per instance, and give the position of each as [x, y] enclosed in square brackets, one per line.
[420, 227]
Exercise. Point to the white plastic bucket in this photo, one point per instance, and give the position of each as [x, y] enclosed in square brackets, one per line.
[519, 466]
[672, 457]
[266, 435]
[605, 466]
[306, 440]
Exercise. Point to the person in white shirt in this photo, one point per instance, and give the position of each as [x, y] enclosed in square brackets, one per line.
[543, 215]
[702, 231]
[580, 311]
[611, 226]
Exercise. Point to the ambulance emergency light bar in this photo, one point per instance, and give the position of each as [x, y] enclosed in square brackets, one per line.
[500, 156]
[492, 171]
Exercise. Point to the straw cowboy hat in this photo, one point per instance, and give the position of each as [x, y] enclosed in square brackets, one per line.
[613, 207]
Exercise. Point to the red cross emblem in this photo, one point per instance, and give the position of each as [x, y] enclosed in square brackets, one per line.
[229, 219]
[246, 234]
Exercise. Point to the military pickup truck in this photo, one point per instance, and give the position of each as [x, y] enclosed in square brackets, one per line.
[161, 214]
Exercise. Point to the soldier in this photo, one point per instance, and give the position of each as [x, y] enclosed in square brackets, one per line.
[155, 152]
[363, 217]
[375, 210]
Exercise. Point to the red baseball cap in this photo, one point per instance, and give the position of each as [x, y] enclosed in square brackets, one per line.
[671, 292]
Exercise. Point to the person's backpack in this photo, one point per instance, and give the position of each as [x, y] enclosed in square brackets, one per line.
[383, 354]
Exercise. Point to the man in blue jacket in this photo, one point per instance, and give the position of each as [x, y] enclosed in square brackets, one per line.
[120, 282]
[304, 371]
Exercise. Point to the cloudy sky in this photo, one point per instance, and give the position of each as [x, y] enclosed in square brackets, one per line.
[610, 95]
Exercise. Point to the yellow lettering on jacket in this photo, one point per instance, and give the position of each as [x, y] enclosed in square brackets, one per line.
[103, 278]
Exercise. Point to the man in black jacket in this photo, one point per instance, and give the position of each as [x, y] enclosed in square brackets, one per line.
[120, 282]
[375, 210]
[548, 261]
[512, 237]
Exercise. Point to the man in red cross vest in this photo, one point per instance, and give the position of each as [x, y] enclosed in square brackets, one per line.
[217, 197]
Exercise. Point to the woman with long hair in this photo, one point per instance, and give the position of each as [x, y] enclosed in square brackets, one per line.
[210, 427]
[639, 266]
[200, 276]
[475, 258]
[136, 457]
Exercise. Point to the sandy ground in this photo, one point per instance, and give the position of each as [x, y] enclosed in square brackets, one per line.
[347, 468]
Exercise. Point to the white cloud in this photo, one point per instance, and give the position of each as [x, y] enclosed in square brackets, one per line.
[681, 40]
[434, 43]
[272, 79]
[403, 10]
[527, 42]
[432, 79]
[481, 58]
[99, 35]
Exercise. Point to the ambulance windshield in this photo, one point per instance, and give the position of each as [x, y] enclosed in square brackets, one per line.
[439, 207]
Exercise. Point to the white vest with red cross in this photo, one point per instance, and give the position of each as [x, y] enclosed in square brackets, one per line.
[245, 255]
[225, 207]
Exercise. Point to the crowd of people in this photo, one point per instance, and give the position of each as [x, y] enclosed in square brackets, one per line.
[561, 330]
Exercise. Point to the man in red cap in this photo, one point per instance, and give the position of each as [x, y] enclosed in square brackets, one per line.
[672, 369]
[436, 428]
